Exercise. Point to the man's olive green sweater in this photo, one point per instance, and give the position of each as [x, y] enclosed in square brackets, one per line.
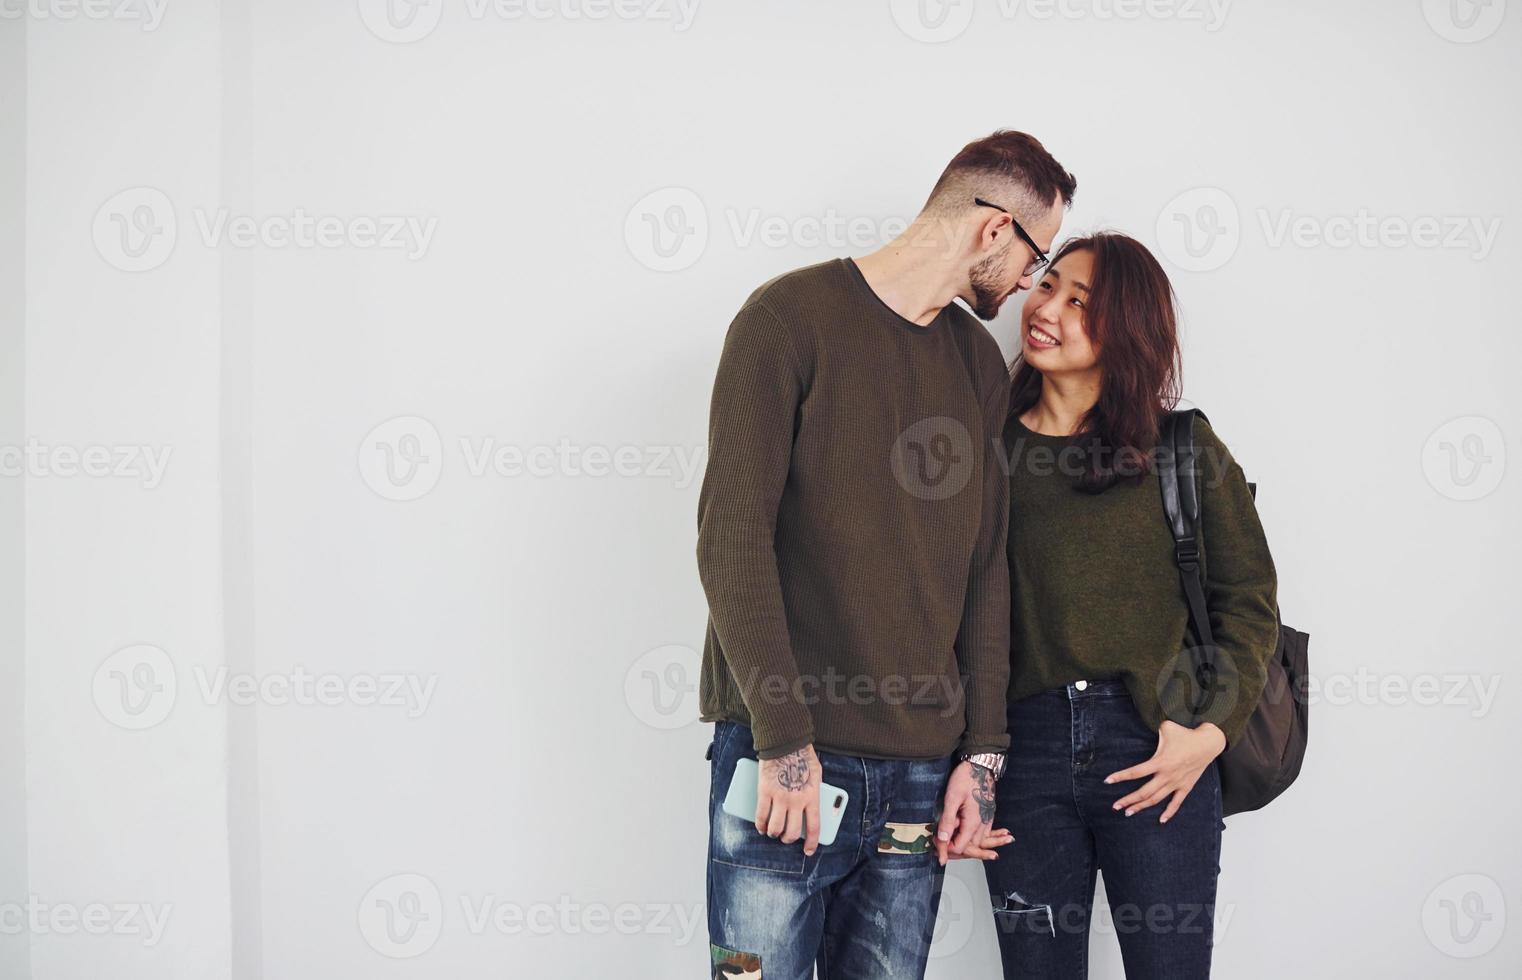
[851, 525]
[1096, 591]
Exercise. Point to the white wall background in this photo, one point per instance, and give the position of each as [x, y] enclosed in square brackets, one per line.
[591, 198]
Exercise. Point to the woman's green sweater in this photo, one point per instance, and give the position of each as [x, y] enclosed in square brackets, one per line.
[1095, 590]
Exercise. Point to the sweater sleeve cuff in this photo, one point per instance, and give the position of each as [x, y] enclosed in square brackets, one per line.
[973, 743]
[1234, 725]
[776, 750]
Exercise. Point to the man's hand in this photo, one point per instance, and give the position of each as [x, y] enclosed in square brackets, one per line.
[787, 798]
[1182, 755]
[968, 812]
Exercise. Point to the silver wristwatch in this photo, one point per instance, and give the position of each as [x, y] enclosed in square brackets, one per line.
[992, 761]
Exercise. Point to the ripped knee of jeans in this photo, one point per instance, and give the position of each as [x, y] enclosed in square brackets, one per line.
[1013, 913]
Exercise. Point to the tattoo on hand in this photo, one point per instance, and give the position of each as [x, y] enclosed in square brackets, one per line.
[983, 792]
[792, 770]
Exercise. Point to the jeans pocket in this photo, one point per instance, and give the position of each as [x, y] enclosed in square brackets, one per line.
[734, 841]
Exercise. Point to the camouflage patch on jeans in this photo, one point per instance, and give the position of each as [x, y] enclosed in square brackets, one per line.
[731, 965]
[906, 838]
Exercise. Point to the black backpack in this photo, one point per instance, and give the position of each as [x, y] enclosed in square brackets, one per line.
[1268, 755]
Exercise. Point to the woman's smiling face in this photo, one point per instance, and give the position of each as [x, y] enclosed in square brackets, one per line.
[1053, 336]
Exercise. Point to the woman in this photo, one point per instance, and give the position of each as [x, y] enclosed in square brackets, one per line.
[1107, 770]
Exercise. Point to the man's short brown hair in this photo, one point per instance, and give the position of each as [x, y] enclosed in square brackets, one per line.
[1005, 161]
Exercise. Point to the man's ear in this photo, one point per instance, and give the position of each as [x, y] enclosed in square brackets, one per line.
[993, 230]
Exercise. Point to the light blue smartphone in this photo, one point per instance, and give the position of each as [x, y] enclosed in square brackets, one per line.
[740, 801]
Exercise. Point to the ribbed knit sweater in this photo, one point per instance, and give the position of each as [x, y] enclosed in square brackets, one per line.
[1096, 592]
[851, 525]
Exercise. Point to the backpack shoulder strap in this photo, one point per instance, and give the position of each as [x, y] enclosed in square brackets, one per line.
[1178, 475]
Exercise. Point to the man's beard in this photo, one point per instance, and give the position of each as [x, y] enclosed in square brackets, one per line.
[987, 294]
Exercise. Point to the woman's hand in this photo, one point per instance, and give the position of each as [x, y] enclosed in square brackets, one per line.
[983, 850]
[1182, 755]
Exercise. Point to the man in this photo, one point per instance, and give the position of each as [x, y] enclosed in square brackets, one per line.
[851, 534]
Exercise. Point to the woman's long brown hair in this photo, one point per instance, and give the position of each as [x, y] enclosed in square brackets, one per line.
[1131, 321]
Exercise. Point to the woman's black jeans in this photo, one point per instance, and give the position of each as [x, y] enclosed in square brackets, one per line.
[1160, 878]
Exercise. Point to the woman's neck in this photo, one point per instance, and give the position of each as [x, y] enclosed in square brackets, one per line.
[1063, 403]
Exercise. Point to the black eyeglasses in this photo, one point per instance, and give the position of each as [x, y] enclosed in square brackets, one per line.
[1039, 258]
